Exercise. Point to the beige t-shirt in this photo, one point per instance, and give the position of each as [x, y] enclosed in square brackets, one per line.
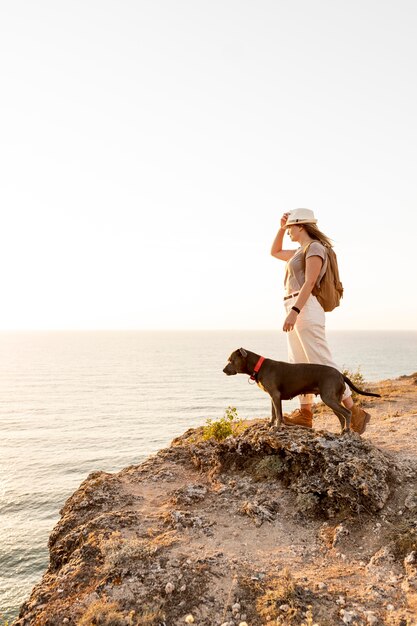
[295, 268]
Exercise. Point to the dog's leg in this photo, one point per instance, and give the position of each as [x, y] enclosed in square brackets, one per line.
[273, 414]
[276, 410]
[341, 411]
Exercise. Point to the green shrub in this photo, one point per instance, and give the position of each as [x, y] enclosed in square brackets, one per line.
[224, 427]
[358, 380]
[270, 466]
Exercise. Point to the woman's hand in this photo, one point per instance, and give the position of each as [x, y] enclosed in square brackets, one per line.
[284, 219]
[290, 321]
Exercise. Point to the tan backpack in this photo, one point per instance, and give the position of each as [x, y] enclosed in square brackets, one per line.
[330, 291]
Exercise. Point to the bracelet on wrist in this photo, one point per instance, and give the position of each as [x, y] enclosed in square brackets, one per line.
[296, 309]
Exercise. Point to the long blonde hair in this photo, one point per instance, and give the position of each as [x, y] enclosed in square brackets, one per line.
[316, 234]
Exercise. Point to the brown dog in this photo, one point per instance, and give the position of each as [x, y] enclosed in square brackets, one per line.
[284, 381]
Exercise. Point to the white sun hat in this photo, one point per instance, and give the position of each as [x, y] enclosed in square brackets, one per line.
[301, 216]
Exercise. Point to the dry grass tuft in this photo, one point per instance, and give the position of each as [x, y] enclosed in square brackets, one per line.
[282, 590]
[103, 613]
[150, 617]
[118, 550]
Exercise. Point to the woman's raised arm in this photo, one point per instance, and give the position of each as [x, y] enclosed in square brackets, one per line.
[276, 250]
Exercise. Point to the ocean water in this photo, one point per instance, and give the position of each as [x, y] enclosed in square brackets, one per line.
[75, 402]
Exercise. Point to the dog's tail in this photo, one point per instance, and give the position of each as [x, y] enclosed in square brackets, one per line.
[363, 393]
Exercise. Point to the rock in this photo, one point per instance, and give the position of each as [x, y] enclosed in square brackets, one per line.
[122, 592]
[236, 608]
[327, 471]
[259, 513]
[184, 519]
[169, 588]
[136, 539]
[190, 494]
[348, 617]
[411, 501]
[411, 558]
[339, 532]
[383, 557]
[371, 618]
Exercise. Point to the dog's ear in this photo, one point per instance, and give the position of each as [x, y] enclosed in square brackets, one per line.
[243, 352]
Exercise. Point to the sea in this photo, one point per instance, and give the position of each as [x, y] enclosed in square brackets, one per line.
[76, 402]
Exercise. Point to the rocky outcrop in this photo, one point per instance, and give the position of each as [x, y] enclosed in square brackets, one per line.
[288, 526]
[329, 474]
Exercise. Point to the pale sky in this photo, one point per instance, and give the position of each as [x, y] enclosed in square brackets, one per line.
[149, 148]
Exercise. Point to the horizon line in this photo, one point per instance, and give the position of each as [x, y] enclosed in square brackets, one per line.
[118, 329]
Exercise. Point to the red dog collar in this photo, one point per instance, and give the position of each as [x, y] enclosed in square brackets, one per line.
[257, 367]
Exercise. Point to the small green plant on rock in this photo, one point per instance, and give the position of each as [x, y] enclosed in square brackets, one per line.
[270, 466]
[227, 425]
[358, 380]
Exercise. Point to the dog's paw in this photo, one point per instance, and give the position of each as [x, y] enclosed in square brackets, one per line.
[275, 427]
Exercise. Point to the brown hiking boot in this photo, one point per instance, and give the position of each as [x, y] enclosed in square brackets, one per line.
[300, 417]
[359, 419]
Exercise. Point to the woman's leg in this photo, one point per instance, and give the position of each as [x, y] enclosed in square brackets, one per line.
[359, 418]
[297, 354]
[311, 330]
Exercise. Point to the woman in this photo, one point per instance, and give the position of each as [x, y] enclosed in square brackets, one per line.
[305, 320]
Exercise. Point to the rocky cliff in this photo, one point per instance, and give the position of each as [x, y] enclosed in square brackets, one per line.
[267, 527]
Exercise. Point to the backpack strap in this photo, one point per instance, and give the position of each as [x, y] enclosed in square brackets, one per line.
[305, 261]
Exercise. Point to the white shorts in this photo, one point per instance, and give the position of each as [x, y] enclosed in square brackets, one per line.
[307, 341]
